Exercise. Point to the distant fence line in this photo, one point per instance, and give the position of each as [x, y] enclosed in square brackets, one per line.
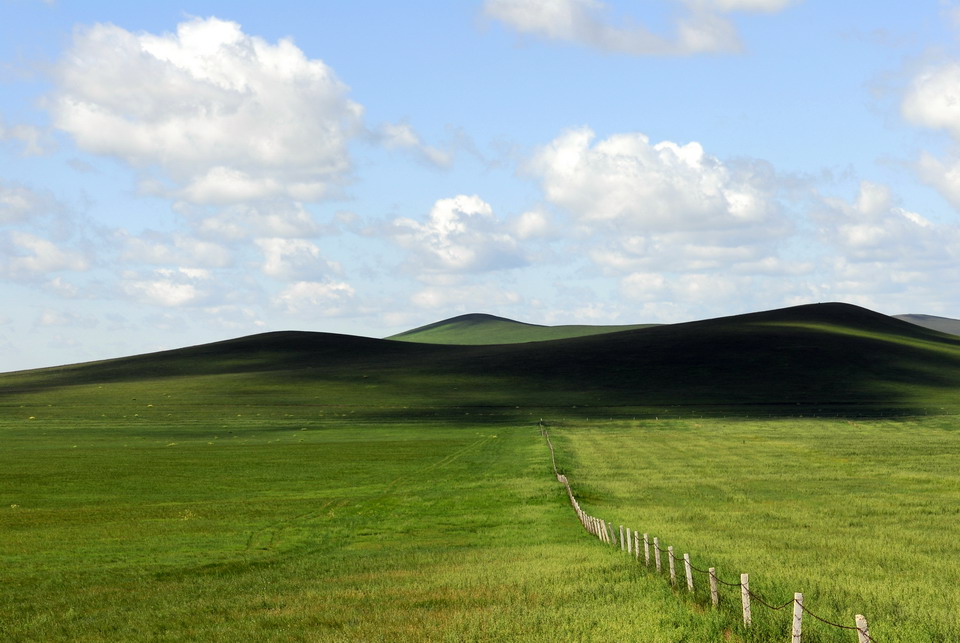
[630, 543]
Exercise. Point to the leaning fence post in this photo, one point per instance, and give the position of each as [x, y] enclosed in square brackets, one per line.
[689, 570]
[863, 632]
[646, 549]
[797, 618]
[673, 566]
[656, 552]
[714, 593]
[745, 597]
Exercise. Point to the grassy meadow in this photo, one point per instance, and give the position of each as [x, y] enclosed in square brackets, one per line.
[860, 516]
[313, 487]
[310, 525]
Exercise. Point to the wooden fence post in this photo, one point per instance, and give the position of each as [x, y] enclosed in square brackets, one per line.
[863, 632]
[646, 549]
[714, 593]
[636, 544]
[656, 552]
[629, 541]
[797, 618]
[745, 598]
[623, 545]
[689, 570]
[673, 566]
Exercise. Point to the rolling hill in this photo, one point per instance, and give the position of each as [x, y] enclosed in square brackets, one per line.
[942, 324]
[482, 329]
[831, 357]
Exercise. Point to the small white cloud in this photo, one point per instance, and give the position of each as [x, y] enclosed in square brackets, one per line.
[874, 231]
[700, 28]
[33, 255]
[178, 249]
[293, 258]
[460, 235]
[168, 287]
[273, 218]
[933, 99]
[17, 202]
[402, 136]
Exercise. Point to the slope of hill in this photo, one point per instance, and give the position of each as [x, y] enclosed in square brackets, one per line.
[942, 324]
[482, 329]
[824, 356]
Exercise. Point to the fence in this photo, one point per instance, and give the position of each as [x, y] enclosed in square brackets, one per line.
[629, 541]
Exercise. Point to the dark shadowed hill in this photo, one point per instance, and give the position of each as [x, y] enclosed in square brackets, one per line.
[823, 356]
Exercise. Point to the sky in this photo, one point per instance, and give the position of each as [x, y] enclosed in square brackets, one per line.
[175, 173]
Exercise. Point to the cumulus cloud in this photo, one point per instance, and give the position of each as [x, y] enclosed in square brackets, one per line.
[642, 206]
[701, 28]
[627, 181]
[460, 235]
[226, 116]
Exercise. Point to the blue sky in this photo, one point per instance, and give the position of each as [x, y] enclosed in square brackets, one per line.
[173, 174]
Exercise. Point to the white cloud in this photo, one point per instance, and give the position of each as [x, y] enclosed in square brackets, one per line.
[312, 298]
[533, 224]
[700, 28]
[27, 135]
[643, 207]
[35, 256]
[460, 235]
[933, 99]
[873, 229]
[293, 258]
[402, 136]
[168, 287]
[17, 202]
[627, 181]
[176, 249]
[227, 116]
[271, 218]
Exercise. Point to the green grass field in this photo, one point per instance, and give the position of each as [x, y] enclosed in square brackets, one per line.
[859, 516]
[300, 486]
[479, 329]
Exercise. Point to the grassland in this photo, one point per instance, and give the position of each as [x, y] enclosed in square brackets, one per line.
[859, 516]
[302, 486]
[479, 329]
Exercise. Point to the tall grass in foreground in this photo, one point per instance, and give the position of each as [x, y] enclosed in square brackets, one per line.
[862, 517]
